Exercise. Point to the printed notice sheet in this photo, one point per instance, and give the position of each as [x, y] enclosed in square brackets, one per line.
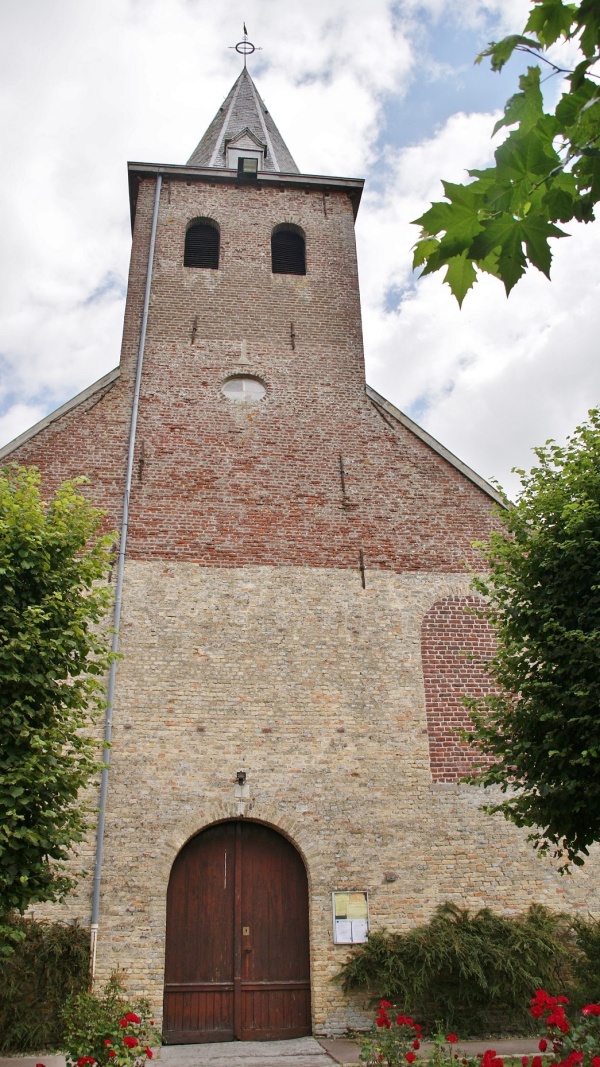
[350, 918]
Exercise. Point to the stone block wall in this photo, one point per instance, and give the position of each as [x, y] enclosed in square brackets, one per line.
[314, 687]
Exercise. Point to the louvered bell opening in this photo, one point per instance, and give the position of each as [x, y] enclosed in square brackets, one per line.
[201, 246]
[288, 253]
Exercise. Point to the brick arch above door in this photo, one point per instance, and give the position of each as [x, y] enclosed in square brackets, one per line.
[302, 836]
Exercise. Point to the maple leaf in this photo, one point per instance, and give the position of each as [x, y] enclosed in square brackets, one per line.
[546, 171]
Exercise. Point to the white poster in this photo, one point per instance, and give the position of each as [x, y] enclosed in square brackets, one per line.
[360, 929]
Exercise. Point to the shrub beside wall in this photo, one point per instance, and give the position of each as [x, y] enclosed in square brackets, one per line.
[476, 973]
[50, 962]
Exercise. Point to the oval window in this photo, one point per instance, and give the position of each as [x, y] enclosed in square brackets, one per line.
[244, 389]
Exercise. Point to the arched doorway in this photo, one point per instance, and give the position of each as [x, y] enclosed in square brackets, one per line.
[237, 950]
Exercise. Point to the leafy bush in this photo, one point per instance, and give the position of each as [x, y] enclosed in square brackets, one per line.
[476, 973]
[587, 938]
[50, 962]
[108, 1028]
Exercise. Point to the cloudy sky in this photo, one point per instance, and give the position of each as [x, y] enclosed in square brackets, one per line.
[384, 89]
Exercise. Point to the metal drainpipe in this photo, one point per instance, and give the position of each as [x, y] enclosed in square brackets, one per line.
[119, 593]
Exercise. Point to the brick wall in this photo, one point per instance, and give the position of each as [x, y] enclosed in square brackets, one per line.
[222, 484]
[455, 645]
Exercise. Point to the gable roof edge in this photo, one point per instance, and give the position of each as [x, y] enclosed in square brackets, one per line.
[80, 398]
[419, 432]
[246, 130]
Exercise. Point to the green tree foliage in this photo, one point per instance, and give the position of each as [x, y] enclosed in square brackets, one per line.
[542, 725]
[476, 971]
[53, 656]
[546, 171]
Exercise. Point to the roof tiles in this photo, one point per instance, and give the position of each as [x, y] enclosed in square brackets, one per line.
[243, 109]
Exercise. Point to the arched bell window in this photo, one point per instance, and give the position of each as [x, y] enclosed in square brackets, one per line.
[288, 250]
[202, 244]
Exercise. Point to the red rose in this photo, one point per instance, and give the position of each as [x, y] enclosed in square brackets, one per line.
[562, 1000]
[536, 1061]
[131, 1017]
[595, 1061]
[591, 1009]
[410, 1057]
[107, 1041]
[384, 1004]
[416, 1044]
[149, 1053]
[380, 1020]
[151, 1022]
[490, 1059]
[543, 1045]
[536, 1010]
[123, 1022]
[130, 1042]
[557, 1018]
[40, 1065]
[524, 1060]
[452, 1038]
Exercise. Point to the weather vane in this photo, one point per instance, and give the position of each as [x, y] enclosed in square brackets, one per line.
[245, 47]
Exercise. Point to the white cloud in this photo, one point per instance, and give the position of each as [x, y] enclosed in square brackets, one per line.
[497, 377]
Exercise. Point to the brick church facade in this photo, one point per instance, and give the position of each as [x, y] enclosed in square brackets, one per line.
[293, 621]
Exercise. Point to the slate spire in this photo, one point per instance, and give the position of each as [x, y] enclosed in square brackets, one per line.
[243, 113]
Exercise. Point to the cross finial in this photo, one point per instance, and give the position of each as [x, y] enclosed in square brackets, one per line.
[245, 47]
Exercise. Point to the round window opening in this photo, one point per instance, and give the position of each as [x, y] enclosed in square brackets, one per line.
[243, 389]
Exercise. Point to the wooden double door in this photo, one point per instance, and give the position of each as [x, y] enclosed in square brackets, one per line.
[237, 948]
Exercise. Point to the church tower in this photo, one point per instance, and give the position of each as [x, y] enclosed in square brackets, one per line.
[293, 574]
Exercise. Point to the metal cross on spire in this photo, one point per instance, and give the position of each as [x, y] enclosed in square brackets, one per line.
[245, 47]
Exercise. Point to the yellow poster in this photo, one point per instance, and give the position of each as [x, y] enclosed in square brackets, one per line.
[341, 905]
[357, 906]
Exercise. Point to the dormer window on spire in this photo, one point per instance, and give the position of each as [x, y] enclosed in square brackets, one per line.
[245, 146]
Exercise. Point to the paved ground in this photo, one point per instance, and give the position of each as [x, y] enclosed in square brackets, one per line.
[301, 1052]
